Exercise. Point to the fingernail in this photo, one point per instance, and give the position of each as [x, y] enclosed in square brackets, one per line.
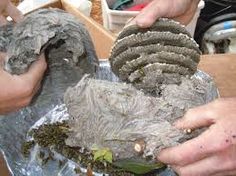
[141, 22]
[130, 21]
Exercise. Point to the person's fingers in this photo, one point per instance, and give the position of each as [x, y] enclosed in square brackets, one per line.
[2, 59]
[201, 116]
[3, 20]
[13, 104]
[14, 13]
[188, 14]
[36, 71]
[130, 21]
[184, 19]
[197, 148]
[206, 115]
[215, 164]
[151, 13]
[24, 84]
[2, 55]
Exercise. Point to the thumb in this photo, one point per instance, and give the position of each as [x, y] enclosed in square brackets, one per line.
[198, 117]
[151, 13]
[36, 70]
[3, 20]
[13, 12]
[3, 55]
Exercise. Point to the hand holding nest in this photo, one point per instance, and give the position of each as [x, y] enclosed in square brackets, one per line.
[179, 10]
[213, 153]
[17, 90]
[7, 8]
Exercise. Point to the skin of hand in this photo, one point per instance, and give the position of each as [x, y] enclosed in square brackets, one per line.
[7, 7]
[17, 91]
[213, 153]
[179, 10]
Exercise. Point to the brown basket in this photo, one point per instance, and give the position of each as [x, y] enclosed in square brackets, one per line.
[15, 2]
[96, 12]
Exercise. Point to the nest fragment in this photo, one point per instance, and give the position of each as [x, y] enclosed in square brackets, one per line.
[166, 47]
[121, 115]
[51, 31]
[162, 25]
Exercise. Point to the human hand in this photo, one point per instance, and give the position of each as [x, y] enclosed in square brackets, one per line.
[180, 10]
[17, 91]
[7, 7]
[213, 153]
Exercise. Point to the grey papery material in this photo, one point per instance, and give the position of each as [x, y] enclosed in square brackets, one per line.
[70, 54]
[5, 37]
[107, 114]
[153, 37]
[46, 31]
[26, 118]
[163, 24]
[155, 56]
[116, 115]
[133, 52]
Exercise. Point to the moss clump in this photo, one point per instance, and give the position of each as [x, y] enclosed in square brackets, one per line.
[55, 135]
[77, 170]
[51, 134]
[25, 148]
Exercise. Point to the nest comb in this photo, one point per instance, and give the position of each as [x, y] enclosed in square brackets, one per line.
[166, 49]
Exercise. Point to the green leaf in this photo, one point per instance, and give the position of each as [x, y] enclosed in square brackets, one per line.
[103, 155]
[99, 154]
[137, 167]
[108, 156]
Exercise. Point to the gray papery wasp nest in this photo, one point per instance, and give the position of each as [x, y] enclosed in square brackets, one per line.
[132, 124]
[153, 56]
[57, 33]
[160, 60]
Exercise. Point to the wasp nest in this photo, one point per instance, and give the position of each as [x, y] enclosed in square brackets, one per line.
[5, 37]
[118, 119]
[149, 57]
[125, 120]
[55, 32]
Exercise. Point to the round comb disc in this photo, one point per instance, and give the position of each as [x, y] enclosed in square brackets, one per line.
[165, 47]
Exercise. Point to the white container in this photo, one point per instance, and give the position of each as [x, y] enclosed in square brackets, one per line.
[85, 6]
[27, 6]
[115, 20]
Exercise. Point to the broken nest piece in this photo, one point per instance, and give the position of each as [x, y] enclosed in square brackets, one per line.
[51, 31]
[165, 47]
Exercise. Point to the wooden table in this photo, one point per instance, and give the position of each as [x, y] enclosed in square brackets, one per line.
[3, 167]
[223, 69]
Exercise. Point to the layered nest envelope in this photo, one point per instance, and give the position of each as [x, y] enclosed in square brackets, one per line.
[119, 115]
